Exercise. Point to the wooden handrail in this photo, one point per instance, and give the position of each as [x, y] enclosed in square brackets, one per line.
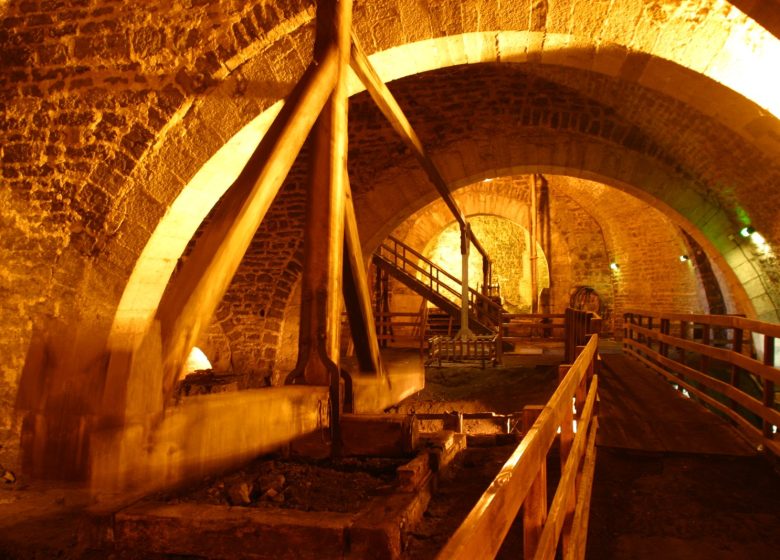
[484, 529]
[643, 330]
[723, 321]
[722, 354]
[397, 250]
[534, 316]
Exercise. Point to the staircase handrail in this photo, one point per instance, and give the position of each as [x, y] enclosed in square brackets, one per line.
[476, 299]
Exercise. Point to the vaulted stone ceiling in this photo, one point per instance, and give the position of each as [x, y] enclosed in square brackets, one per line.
[108, 110]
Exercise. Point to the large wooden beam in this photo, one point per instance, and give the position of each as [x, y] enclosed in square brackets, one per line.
[356, 297]
[397, 119]
[192, 296]
[533, 213]
[389, 107]
[319, 335]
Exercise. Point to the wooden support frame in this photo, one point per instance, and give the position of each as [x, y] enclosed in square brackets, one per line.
[320, 325]
[194, 293]
[357, 300]
[390, 108]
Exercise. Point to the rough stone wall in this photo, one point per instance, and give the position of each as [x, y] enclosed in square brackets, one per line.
[109, 108]
[592, 225]
[646, 245]
[592, 126]
[578, 255]
[87, 88]
[252, 313]
[507, 243]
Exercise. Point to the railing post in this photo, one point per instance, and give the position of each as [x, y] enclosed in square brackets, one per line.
[704, 363]
[683, 336]
[628, 333]
[769, 386]
[566, 443]
[665, 329]
[650, 328]
[535, 504]
[736, 346]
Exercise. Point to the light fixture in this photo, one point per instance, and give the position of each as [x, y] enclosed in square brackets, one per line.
[747, 231]
[684, 258]
[757, 238]
[614, 266]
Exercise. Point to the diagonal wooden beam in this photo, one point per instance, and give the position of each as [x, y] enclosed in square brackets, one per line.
[192, 296]
[392, 111]
[356, 296]
[384, 99]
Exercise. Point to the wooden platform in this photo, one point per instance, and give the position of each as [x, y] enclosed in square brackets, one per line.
[639, 410]
[673, 480]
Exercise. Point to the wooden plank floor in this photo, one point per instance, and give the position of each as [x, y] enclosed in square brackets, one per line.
[673, 480]
[640, 410]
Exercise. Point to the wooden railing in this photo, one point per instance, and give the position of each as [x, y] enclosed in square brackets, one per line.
[523, 479]
[402, 327]
[524, 327]
[723, 361]
[479, 348]
[437, 279]
[579, 324]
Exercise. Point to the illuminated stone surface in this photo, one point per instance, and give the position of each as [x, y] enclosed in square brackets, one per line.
[110, 110]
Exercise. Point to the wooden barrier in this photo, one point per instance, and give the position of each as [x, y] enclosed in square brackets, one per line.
[522, 480]
[579, 324]
[480, 348]
[714, 358]
[527, 327]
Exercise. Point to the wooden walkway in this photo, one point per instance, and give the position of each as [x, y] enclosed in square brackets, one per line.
[673, 480]
[640, 410]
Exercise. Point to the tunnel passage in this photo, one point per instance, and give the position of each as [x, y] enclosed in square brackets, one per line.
[128, 125]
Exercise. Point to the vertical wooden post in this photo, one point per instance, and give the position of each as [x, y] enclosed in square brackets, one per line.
[465, 244]
[650, 337]
[704, 362]
[736, 346]
[665, 329]
[321, 284]
[628, 332]
[769, 386]
[324, 233]
[535, 505]
[683, 335]
[532, 249]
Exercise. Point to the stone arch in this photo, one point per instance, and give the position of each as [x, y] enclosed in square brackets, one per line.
[697, 43]
[508, 197]
[475, 47]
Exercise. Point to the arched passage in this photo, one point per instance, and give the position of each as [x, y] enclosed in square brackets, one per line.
[128, 174]
[426, 55]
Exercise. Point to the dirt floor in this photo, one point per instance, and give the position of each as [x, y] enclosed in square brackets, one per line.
[344, 485]
[520, 381]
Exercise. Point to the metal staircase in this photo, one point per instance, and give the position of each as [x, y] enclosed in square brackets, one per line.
[436, 285]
